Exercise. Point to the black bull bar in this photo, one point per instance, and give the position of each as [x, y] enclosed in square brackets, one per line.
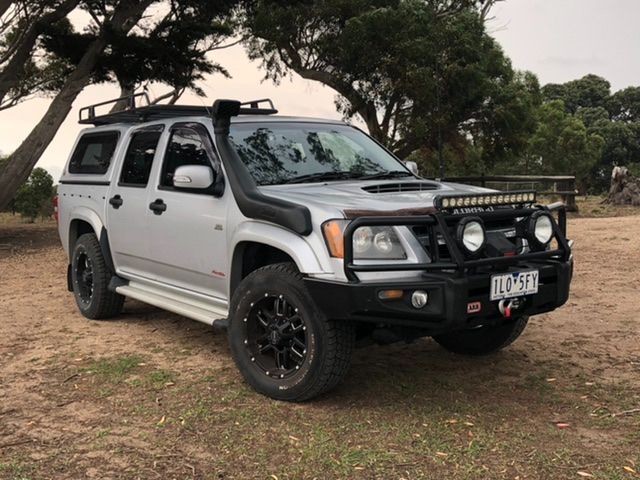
[439, 222]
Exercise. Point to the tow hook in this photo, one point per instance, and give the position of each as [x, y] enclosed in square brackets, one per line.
[506, 307]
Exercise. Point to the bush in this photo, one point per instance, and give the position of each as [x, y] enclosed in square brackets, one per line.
[35, 196]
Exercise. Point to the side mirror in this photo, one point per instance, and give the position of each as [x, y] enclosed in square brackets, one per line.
[193, 177]
[412, 166]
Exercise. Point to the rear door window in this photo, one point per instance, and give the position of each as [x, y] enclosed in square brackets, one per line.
[94, 152]
[138, 160]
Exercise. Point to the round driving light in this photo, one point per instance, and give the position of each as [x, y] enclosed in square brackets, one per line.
[459, 202]
[543, 229]
[519, 198]
[419, 298]
[362, 239]
[471, 235]
[383, 242]
[474, 201]
[467, 201]
[500, 198]
[445, 202]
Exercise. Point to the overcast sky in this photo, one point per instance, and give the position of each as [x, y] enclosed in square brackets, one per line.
[559, 40]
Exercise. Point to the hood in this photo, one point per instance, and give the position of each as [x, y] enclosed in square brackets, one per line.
[373, 195]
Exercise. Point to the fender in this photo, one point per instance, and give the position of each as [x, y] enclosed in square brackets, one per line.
[280, 238]
[92, 218]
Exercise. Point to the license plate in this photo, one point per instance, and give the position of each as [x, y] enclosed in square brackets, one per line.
[515, 284]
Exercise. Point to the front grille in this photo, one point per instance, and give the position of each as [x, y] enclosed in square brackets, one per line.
[401, 187]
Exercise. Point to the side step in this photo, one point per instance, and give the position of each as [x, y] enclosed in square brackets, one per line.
[196, 310]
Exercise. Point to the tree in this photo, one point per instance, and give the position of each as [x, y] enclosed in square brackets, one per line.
[561, 144]
[119, 44]
[588, 91]
[34, 197]
[430, 77]
[624, 105]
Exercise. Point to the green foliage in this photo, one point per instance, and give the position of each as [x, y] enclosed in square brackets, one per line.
[35, 196]
[615, 118]
[561, 144]
[418, 72]
[588, 91]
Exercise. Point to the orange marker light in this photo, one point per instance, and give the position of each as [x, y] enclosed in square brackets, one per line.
[333, 234]
[390, 294]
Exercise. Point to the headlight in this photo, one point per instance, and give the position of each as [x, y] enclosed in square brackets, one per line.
[471, 235]
[369, 243]
[540, 230]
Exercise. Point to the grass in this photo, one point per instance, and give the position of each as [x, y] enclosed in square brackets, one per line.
[430, 420]
[114, 370]
[16, 470]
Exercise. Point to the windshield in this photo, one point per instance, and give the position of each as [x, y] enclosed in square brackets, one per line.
[309, 152]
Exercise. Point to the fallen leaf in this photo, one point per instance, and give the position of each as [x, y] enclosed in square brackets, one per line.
[551, 379]
[468, 424]
[630, 470]
[585, 474]
[562, 425]
[442, 454]
[295, 439]
[162, 420]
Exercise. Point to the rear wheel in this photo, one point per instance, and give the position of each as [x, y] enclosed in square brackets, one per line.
[90, 277]
[283, 346]
[483, 340]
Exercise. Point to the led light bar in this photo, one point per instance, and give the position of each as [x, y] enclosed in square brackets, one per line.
[493, 199]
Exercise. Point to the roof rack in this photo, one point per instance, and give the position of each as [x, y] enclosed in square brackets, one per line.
[135, 113]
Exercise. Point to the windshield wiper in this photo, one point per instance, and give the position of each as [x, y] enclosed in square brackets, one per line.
[320, 176]
[389, 174]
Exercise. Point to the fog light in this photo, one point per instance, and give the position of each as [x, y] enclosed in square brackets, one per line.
[419, 298]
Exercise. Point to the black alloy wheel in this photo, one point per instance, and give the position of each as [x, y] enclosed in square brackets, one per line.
[276, 336]
[84, 276]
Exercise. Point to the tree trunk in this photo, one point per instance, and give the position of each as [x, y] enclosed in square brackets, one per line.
[625, 188]
[24, 158]
[120, 105]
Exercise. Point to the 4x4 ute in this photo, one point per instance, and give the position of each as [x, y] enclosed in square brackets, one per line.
[302, 236]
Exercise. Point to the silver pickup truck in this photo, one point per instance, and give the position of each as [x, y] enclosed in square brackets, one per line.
[303, 237]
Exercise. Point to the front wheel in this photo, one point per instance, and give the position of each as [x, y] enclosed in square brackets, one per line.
[283, 346]
[483, 340]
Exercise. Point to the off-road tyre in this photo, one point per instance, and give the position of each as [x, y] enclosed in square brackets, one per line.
[101, 303]
[329, 344]
[483, 340]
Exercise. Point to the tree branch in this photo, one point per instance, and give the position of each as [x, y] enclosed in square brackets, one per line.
[10, 75]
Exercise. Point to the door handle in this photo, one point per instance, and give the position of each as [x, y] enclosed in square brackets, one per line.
[116, 201]
[158, 206]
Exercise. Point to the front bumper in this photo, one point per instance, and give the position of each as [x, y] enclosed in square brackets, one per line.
[458, 287]
[449, 298]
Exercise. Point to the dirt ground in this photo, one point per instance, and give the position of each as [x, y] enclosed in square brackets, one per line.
[153, 395]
